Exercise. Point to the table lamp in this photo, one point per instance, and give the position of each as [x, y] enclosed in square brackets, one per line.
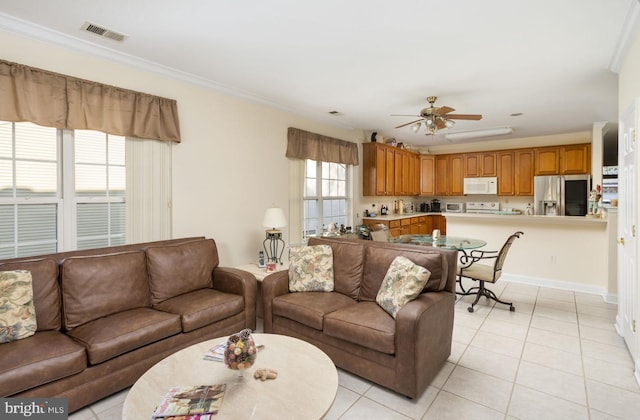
[273, 220]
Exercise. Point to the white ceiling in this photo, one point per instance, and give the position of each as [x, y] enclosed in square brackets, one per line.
[550, 60]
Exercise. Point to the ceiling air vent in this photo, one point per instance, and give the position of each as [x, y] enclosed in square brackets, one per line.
[102, 31]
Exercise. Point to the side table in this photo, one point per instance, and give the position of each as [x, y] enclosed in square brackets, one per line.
[260, 274]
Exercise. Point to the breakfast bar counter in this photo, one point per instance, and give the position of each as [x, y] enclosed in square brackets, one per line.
[565, 252]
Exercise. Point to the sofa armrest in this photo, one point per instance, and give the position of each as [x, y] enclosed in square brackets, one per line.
[273, 285]
[424, 329]
[238, 282]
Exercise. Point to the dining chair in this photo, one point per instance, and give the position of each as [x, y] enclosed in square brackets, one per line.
[473, 266]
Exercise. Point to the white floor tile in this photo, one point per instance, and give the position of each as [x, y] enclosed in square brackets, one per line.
[555, 314]
[556, 294]
[523, 289]
[559, 305]
[412, 408]
[554, 325]
[345, 398]
[607, 313]
[553, 382]
[606, 352]
[365, 409]
[353, 382]
[554, 340]
[502, 313]
[489, 362]
[443, 375]
[601, 335]
[498, 344]
[611, 373]
[504, 328]
[463, 334]
[448, 406]
[612, 400]
[529, 404]
[553, 358]
[456, 351]
[595, 321]
[479, 387]
[83, 414]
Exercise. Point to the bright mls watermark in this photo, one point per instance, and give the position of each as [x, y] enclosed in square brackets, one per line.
[34, 408]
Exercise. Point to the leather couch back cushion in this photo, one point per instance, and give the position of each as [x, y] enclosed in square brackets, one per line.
[97, 286]
[178, 269]
[378, 260]
[348, 265]
[46, 293]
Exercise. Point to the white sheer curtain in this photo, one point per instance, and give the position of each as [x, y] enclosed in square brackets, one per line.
[148, 196]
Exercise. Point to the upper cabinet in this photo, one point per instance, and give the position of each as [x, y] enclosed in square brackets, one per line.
[427, 175]
[575, 159]
[388, 171]
[456, 175]
[480, 164]
[561, 160]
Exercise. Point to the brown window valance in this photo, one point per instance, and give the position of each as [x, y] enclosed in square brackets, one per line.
[306, 145]
[55, 100]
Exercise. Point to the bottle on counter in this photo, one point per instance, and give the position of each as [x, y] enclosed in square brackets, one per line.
[395, 206]
[528, 211]
[400, 207]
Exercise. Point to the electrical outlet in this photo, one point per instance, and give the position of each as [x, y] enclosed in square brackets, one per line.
[552, 260]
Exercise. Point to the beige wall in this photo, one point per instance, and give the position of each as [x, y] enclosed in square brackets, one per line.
[230, 165]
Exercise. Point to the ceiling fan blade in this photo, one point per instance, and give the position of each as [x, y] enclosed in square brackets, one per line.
[475, 117]
[443, 110]
[404, 115]
[409, 123]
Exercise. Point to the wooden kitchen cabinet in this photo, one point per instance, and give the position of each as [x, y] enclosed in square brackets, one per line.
[547, 161]
[480, 164]
[378, 173]
[442, 173]
[456, 175]
[575, 159]
[427, 175]
[524, 170]
[506, 173]
[398, 177]
[438, 222]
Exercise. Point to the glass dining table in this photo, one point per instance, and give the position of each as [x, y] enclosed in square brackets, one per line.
[459, 243]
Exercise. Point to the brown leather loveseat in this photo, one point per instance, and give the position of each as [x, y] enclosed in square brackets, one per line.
[105, 316]
[403, 354]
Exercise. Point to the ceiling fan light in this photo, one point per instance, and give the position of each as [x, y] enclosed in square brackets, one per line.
[415, 127]
[449, 123]
[428, 121]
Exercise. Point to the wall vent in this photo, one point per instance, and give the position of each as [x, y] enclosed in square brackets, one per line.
[103, 32]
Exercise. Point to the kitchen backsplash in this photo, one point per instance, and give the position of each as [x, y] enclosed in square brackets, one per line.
[511, 203]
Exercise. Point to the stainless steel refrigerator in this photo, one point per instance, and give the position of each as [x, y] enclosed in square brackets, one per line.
[561, 195]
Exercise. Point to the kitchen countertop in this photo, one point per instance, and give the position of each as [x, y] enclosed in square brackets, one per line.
[403, 216]
[520, 218]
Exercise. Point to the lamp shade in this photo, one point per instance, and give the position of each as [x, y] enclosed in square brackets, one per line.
[274, 218]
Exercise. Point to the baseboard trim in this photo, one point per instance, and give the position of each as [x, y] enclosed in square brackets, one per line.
[562, 285]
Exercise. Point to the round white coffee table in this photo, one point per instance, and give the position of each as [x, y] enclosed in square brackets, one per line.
[304, 389]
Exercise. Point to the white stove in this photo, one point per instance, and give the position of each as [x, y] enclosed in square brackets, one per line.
[483, 207]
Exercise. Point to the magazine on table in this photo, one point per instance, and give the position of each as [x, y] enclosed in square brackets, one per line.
[190, 402]
[216, 352]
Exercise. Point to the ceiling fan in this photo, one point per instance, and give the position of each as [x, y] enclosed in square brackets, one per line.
[436, 118]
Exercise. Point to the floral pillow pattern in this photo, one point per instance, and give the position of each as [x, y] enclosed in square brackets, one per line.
[311, 269]
[17, 313]
[403, 283]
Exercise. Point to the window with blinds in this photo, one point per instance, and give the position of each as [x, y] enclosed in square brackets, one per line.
[46, 207]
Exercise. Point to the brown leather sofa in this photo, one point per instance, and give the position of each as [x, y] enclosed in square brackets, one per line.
[105, 316]
[402, 354]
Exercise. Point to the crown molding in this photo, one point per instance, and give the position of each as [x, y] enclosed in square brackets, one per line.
[628, 34]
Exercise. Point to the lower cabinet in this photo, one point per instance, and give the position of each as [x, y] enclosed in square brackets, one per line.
[410, 225]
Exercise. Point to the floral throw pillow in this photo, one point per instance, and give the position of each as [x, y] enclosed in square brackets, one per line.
[17, 313]
[311, 269]
[403, 283]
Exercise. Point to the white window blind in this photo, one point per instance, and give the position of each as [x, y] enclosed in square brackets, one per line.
[326, 196]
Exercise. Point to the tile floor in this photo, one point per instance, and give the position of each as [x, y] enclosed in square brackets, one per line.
[556, 357]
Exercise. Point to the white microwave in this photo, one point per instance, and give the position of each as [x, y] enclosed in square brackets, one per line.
[454, 207]
[484, 185]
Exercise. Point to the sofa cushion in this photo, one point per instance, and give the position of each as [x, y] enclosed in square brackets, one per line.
[113, 335]
[39, 359]
[202, 307]
[378, 260]
[178, 269]
[403, 283]
[309, 308]
[98, 286]
[17, 313]
[311, 269]
[346, 277]
[365, 324]
[46, 293]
